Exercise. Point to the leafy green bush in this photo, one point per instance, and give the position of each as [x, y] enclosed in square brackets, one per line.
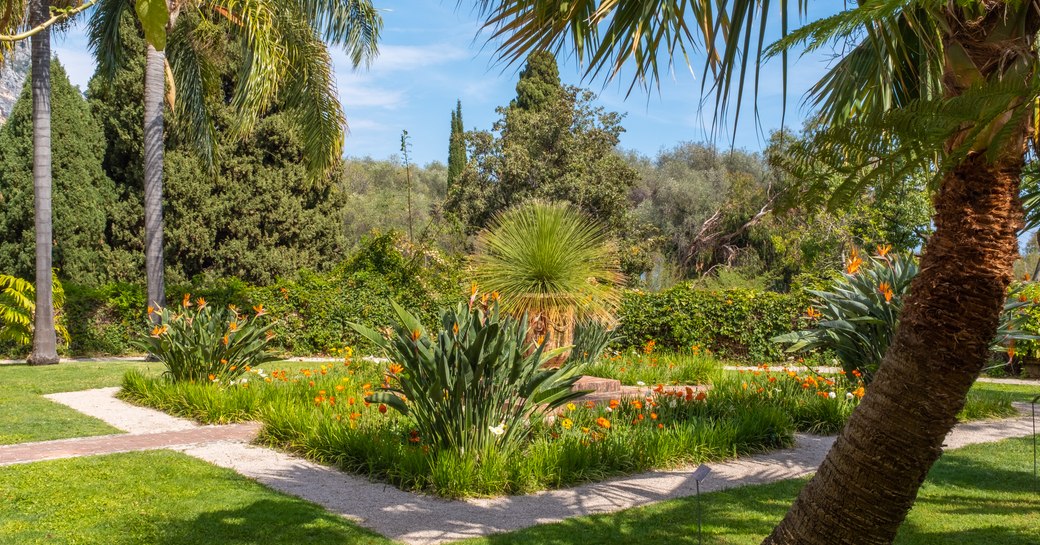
[208, 343]
[734, 324]
[18, 310]
[857, 318]
[478, 385]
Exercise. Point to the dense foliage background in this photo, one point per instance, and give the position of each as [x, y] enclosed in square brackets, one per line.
[712, 252]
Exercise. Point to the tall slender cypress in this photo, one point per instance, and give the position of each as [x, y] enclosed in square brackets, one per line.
[456, 146]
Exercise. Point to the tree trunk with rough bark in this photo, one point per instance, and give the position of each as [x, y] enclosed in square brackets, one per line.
[154, 92]
[870, 478]
[45, 342]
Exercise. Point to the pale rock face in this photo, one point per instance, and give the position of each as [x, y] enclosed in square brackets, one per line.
[15, 69]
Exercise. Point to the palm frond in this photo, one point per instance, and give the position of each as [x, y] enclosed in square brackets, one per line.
[880, 147]
[607, 35]
[195, 78]
[353, 24]
[311, 96]
[105, 40]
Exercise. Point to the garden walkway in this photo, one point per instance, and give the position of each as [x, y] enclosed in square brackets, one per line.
[424, 520]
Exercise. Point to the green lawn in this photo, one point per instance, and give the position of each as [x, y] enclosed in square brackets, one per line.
[981, 495]
[1016, 391]
[27, 416]
[107, 500]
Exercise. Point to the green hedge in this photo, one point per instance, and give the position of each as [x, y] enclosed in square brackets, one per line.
[734, 323]
[314, 309]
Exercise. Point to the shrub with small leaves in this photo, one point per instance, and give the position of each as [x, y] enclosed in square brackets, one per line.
[199, 342]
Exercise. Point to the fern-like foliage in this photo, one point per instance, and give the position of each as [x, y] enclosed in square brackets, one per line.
[18, 310]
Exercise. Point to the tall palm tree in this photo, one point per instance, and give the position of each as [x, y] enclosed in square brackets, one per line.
[44, 343]
[923, 85]
[286, 62]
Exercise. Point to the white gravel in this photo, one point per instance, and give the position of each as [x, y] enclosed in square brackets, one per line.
[424, 520]
[102, 404]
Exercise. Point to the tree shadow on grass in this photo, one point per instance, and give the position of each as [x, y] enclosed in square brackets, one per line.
[743, 515]
[268, 522]
[911, 534]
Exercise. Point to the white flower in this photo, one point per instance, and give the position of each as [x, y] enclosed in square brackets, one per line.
[673, 403]
[499, 429]
[609, 410]
[832, 395]
[640, 383]
[848, 395]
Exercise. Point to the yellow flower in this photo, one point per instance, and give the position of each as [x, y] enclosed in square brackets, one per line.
[571, 407]
[567, 423]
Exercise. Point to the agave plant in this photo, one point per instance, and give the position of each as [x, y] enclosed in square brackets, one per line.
[552, 263]
[590, 340]
[18, 308]
[477, 385]
[857, 319]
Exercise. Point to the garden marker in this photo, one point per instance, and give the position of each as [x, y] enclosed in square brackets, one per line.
[699, 475]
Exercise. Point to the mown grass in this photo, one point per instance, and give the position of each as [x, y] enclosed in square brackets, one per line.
[658, 367]
[159, 497]
[1017, 392]
[27, 416]
[978, 495]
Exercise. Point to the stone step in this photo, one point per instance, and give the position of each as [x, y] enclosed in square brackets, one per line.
[596, 384]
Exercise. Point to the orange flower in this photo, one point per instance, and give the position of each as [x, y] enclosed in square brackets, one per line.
[649, 346]
[455, 329]
[394, 369]
[415, 334]
[637, 405]
[187, 300]
[603, 423]
[201, 302]
[885, 289]
[660, 426]
[854, 262]
[151, 310]
[212, 377]
[883, 250]
[259, 310]
[653, 416]
[382, 408]
[701, 396]
[339, 387]
[225, 340]
[858, 392]
[233, 326]
[812, 313]
[614, 403]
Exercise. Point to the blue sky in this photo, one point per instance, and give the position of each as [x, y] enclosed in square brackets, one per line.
[431, 55]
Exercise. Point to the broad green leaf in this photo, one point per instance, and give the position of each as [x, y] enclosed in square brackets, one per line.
[154, 16]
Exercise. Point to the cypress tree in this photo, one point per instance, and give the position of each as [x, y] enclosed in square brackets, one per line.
[83, 195]
[456, 146]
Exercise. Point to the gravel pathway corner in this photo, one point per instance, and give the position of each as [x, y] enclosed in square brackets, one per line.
[425, 520]
[102, 404]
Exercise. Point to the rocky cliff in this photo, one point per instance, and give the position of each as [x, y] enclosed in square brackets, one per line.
[12, 78]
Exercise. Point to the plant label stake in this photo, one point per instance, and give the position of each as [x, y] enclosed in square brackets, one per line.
[699, 475]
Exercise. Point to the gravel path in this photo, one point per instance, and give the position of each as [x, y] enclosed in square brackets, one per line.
[425, 520]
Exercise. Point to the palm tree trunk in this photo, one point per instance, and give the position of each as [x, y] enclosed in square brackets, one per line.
[154, 91]
[869, 480]
[44, 349]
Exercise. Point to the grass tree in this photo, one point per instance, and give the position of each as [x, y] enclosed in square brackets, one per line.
[552, 263]
[923, 85]
[285, 62]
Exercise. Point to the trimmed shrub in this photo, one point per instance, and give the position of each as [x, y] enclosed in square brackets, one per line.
[733, 323]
